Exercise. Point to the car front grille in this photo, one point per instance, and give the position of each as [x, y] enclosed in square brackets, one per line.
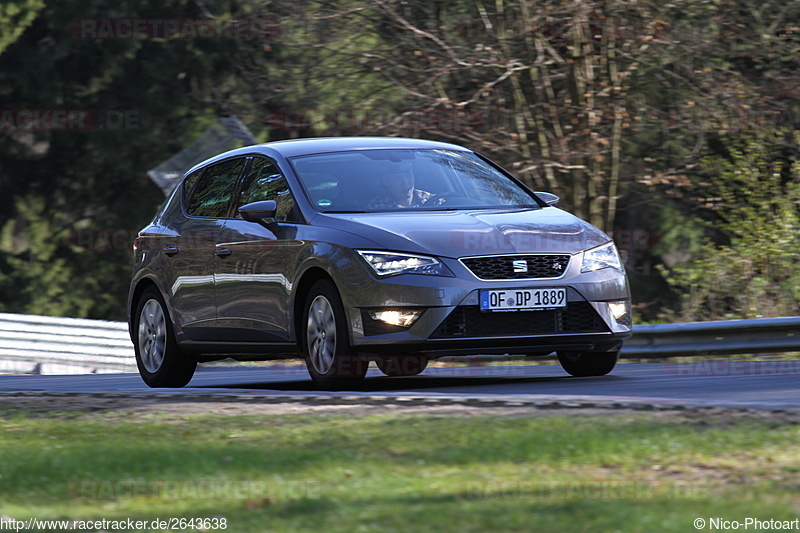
[517, 266]
[469, 321]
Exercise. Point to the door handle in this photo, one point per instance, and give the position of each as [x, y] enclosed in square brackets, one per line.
[222, 252]
[171, 250]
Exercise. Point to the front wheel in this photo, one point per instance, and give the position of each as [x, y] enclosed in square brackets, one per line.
[584, 364]
[329, 358]
[161, 363]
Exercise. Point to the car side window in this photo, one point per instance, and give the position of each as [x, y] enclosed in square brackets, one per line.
[188, 184]
[265, 182]
[212, 193]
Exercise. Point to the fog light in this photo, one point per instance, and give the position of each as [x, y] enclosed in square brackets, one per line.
[621, 311]
[396, 317]
[618, 309]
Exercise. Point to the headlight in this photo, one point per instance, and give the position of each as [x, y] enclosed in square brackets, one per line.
[602, 257]
[389, 264]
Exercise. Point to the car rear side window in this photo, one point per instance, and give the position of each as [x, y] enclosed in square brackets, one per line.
[265, 182]
[188, 185]
[212, 194]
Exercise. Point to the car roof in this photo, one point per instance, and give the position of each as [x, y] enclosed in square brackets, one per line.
[320, 145]
[296, 147]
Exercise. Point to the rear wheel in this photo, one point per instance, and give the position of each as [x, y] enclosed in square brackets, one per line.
[402, 366]
[161, 363]
[583, 364]
[329, 358]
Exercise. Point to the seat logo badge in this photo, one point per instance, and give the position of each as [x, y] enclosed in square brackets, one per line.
[520, 266]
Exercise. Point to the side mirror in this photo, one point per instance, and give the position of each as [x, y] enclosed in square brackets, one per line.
[548, 198]
[262, 212]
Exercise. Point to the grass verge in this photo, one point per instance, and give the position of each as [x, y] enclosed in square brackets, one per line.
[512, 471]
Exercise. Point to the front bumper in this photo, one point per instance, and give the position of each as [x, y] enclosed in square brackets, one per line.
[453, 324]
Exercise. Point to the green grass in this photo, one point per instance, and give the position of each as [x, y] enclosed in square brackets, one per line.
[381, 473]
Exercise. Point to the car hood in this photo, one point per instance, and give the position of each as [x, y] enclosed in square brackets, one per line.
[467, 233]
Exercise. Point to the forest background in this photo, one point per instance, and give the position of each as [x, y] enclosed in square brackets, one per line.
[673, 126]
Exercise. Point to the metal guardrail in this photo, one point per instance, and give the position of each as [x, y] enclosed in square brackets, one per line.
[722, 337]
[34, 344]
[49, 345]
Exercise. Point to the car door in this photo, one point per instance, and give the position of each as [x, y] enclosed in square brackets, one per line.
[189, 248]
[252, 287]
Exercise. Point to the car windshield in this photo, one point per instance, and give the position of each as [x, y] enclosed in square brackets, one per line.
[394, 180]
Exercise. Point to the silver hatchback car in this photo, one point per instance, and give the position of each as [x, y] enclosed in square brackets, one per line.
[347, 250]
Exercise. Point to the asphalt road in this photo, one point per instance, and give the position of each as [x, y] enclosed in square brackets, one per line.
[737, 384]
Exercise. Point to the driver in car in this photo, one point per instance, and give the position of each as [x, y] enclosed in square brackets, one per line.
[400, 191]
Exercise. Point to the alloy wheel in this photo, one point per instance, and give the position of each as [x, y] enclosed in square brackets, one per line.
[152, 335]
[321, 334]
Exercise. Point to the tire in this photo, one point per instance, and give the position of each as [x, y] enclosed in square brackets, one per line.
[161, 363]
[330, 361]
[584, 364]
[410, 365]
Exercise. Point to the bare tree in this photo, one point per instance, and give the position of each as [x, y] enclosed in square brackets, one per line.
[556, 91]
[546, 92]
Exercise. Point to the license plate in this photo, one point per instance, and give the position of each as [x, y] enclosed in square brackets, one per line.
[518, 299]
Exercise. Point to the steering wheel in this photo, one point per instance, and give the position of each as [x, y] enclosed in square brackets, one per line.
[441, 198]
